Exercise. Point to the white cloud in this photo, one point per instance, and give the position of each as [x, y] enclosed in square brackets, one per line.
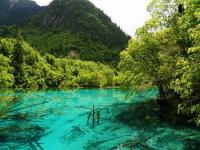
[43, 2]
[128, 14]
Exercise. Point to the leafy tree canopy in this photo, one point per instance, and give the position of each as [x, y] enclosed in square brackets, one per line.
[165, 54]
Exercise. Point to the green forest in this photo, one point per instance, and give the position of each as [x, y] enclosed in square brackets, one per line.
[23, 67]
[87, 50]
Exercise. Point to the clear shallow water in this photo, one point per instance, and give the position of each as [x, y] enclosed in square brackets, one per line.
[57, 120]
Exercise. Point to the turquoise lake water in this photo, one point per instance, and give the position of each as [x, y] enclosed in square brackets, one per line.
[58, 120]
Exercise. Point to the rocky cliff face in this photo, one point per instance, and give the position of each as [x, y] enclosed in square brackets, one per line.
[14, 11]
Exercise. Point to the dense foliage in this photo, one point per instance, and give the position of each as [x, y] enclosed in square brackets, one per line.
[62, 44]
[21, 66]
[165, 54]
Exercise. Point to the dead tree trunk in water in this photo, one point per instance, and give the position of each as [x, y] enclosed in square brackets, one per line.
[162, 97]
[93, 117]
[162, 93]
[98, 116]
[88, 118]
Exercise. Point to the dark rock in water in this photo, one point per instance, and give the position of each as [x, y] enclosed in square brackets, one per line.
[19, 116]
[76, 132]
[192, 144]
[3, 138]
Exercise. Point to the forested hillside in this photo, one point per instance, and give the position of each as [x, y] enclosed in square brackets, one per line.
[46, 50]
[165, 53]
[21, 66]
[74, 28]
[78, 28]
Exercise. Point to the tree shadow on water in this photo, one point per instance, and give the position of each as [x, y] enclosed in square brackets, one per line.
[155, 127]
[16, 136]
[142, 116]
[17, 127]
[150, 114]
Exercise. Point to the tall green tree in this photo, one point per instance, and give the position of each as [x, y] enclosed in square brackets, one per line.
[6, 76]
[18, 60]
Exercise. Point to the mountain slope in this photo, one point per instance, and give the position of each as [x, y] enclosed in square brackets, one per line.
[73, 28]
[14, 11]
[83, 16]
[78, 27]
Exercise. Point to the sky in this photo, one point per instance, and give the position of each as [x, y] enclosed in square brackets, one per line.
[127, 14]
